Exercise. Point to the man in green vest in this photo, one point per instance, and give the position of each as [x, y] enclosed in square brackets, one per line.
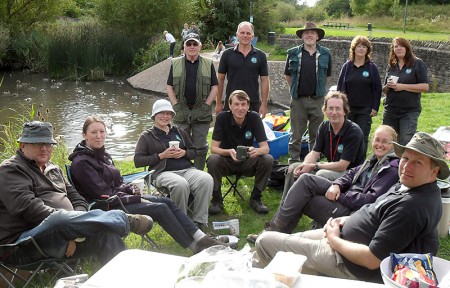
[192, 87]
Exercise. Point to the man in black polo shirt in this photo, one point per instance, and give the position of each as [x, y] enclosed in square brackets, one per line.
[192, 87]
[307, 68]
[339, 140]
[239, 127]
[246, 69]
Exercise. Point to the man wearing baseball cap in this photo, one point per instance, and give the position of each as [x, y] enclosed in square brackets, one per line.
[37, 201]
[404, 220]
[307, 68]
[192, 87]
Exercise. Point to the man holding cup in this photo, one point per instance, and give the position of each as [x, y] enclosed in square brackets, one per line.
[232, 151]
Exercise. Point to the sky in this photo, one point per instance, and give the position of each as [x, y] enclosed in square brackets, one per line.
[308, 2]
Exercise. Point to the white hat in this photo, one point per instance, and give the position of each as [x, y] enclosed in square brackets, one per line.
[160, 106]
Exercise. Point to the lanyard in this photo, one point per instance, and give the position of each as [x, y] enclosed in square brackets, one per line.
[333, 154]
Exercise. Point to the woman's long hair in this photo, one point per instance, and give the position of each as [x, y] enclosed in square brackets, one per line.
[409, 55]
[363, 40]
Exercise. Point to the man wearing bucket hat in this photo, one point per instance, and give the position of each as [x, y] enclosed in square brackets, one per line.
[37, 201]
[174, 172]
[404, 220]
[192, 87]
[307, 68]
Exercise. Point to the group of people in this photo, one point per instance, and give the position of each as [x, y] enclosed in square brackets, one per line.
[184, 33]
[367, 208]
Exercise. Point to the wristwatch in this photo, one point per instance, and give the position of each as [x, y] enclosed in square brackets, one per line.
[316, 167]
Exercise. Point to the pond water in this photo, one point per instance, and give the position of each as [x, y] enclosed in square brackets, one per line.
[125, 109]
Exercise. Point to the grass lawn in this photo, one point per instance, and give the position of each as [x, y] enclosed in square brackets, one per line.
[380, 33]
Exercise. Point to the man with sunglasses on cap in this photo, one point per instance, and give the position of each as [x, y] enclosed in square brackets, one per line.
[192, 87]
[404, 220]
[36, 201]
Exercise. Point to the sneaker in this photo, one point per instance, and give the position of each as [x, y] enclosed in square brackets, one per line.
[140, 224]
[258, 206]
[207, 242]
[216, 208]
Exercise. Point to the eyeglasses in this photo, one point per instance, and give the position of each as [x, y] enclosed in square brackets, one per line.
[191, 43]
[361, 46]
[40, 145]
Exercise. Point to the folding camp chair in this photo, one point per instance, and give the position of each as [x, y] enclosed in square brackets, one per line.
[27, 256]
[107, 201]
[233, 185]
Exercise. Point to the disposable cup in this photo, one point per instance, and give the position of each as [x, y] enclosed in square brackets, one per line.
[139, 186]
[443, 226]
[234, 227]
[393, 79]
[174, 144]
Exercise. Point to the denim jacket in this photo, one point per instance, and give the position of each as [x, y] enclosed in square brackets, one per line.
[295, 64]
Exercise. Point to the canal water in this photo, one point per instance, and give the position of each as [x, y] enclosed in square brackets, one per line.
[68, 103]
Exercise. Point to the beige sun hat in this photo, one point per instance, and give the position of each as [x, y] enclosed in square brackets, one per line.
[425, 144]
[160, 106]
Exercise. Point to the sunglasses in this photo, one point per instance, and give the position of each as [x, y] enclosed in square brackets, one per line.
[191, 43]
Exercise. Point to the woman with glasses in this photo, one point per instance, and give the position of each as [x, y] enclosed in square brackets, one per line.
[406, 79]
[320, 199]
[360, 80]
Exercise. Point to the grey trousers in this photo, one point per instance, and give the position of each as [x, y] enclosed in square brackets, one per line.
[306, 113]
[307, 196]
[290, 179]
[180, 184]
[198, 133]
[321, 257]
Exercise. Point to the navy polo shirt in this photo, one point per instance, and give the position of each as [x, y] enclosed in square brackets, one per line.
[173, 164]
[347, 144]
[230, 134]
[358, 83]
[243, 72]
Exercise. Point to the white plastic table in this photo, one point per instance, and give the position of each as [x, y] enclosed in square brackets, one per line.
[139, 268]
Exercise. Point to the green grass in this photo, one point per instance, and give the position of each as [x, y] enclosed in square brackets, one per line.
[379, 33]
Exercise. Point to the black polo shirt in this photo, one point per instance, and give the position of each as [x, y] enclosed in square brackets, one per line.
[358, 83]
[230, 135]
[243, 72]
[347, 145]
[307, 77]
[191, 79]
[173, 164]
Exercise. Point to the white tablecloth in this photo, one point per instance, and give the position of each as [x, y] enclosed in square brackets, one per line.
[139, 268]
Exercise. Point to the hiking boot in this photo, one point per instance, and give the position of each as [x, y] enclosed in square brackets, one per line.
[140, 224]
[258, 206]
[216, 208]
[207, 242]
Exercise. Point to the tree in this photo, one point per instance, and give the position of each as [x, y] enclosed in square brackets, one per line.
[336, 8]
[24, 15]
[144, 17]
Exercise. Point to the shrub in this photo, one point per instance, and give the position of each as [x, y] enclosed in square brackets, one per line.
[156, 52]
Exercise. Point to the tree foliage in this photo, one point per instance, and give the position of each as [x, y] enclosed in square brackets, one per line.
[24, 15]
[145, 17]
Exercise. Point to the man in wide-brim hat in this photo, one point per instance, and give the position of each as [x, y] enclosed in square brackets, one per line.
[307, 69]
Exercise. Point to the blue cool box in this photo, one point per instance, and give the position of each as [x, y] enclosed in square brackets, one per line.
[278, 146]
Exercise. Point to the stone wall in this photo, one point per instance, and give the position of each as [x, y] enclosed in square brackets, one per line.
[436, 56]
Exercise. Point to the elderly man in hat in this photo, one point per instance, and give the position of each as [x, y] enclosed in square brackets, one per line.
[307, 68]
[37, 201]
[174, 172]
[192, 87]
[405, 219]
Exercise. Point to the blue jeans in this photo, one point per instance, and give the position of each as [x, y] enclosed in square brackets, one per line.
[169, 216]
[103, 232]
